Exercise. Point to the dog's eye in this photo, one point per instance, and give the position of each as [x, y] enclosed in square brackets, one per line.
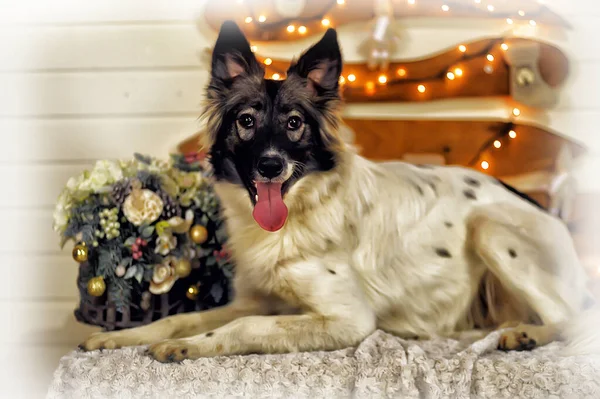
[294, 123]
[246, 121]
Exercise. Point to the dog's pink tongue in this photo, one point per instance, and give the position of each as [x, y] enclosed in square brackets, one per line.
[270, 212]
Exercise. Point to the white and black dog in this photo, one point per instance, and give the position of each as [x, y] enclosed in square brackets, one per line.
[330, 246]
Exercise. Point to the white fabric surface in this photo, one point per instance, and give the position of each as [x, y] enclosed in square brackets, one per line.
[381, 366]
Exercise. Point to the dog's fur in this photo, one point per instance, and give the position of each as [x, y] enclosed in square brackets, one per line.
[415, 251]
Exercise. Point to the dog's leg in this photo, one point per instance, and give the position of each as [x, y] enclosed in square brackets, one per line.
[532, 256]
[336, 315]
[177, 326]
[265, 334]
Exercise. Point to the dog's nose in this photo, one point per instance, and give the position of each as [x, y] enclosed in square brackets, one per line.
[270, 167]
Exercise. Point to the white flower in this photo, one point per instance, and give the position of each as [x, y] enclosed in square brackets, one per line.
[165, 243]
[104, 173]
[62, 211]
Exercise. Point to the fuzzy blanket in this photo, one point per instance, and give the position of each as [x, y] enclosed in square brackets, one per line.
[382, 366]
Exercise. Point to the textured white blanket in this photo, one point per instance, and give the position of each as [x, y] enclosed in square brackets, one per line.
[382, 366]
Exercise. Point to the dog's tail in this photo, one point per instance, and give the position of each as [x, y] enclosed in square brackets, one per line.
[582, 334]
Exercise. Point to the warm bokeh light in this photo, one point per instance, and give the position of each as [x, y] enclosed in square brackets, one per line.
[504, 46]
[421, 88]
[458, 72]
[382, 79]
[248, 20]
[490, 57]
[268, 61]
[262, 18]
[276, 76]
[445, 8]
[302, 29]
[450, 75]
[512, 134]
[401, 72]
[325, 22]
[291, 28]
[351, 77]
[462, 48]
[485, 165]
[497, 144]
[516, 111]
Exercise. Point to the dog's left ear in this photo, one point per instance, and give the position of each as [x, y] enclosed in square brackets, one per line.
[321, 64]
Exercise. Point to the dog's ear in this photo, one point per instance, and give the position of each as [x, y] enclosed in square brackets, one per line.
[232, 55]
[321, 64]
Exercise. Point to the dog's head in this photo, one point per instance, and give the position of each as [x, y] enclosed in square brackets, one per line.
[265, 135]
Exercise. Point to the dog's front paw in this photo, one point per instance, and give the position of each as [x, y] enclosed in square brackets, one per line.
[172, 351]
[103, 340]
[516, 340]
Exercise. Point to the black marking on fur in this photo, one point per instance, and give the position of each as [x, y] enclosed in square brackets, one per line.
[448, 224]
[520, 194]
[331, 271]
[512, 253]
[470, 194]
[419, 189]
[472, 182]
[443, 252]
[210, 334]
[433, 187]
[184, 352]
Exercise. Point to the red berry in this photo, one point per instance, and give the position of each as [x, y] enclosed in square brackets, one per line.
[135, 247]
[137, 255]
[144, 243]
[138, 241]
[215, 253]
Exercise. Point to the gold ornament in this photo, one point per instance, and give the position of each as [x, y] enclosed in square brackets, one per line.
[96, 286]
[80, 253]
[199, 234]
[183, 268]
[192, 293]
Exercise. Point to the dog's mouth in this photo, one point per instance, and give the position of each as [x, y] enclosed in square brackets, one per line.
[270, 212]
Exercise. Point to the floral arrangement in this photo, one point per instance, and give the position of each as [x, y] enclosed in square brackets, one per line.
[146, 228]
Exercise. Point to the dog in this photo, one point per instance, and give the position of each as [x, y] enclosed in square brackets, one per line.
[330, 246]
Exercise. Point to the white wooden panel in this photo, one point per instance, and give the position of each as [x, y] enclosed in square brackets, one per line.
[580, 125]
[30, 376]
[98, 47]
[42, 322]
[32, 276]
[27, 231]
[587, 174]
[64, 139]
[97, 11]
[114, 93]
[581, 89]
[36, 185]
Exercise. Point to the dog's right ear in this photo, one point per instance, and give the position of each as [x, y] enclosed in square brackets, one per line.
[232, 55]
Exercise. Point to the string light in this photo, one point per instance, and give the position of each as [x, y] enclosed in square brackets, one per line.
[497, 144]
[342, 80]
[509, 21]
[248, 20]
[421, 88]
[458, 72]
[522, 13]
[276, 76]
[325, 22]
[490, 57]
[262, 19]
[382, 79]
[268, 61]
[485, 165]
[491, 8]
[254, 49]
[302, 29]
[504, 46]
[445, 8]
[532, 22]
[450, 75]
[477, 1]
[516, 111]
[401, 72]
[462, 48]
[512, 134]
[370, 86]
[351, 77]
[341, 2]
[291, 28]
[488, 69]
[411, 2]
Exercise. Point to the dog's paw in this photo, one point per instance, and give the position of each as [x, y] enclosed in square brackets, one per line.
[516, 340]
[171, 351]
[102, 340]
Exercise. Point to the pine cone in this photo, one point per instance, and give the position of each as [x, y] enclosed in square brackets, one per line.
[120, 191]
[170, 207]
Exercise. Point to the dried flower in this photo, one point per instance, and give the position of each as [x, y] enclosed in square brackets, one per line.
[164, 276]
[165, 243]
[142, 207]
